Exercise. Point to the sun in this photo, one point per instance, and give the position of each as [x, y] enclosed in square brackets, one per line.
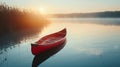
[42, 10]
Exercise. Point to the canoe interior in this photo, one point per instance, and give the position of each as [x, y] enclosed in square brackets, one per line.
[52, 38]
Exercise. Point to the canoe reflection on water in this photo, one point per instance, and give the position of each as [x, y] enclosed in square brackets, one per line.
[38, 59]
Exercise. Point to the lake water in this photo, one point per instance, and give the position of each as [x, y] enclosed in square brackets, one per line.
[91, 42]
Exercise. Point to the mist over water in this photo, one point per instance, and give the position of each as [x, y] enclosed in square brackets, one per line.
[101, 21]
[91, 42]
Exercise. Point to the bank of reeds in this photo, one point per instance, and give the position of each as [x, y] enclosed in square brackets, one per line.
[13, 20]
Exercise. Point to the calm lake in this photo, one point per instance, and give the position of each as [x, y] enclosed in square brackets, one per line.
[91, 42]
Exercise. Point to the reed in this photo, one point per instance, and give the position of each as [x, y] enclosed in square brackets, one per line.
[13, 20]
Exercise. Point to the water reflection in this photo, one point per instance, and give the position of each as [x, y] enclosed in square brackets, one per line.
[12, 40]
[89, 51]
[8, 40]
[38, 59]
[85, 42]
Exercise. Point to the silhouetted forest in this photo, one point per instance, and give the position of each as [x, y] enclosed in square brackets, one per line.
[106, 14]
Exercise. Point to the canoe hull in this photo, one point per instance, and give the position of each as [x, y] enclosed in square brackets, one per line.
[41, 48]
[43, 45]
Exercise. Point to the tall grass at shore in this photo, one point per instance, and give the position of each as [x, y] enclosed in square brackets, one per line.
[13, 20]
[17, 25]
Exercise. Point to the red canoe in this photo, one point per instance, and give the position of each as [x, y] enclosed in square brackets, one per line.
[48, 42]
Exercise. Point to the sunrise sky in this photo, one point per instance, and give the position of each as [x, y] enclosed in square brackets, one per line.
[65, 6]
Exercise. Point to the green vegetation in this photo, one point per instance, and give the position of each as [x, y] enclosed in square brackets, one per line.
[13, 20]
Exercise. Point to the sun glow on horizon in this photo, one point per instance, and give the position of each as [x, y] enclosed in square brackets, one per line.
[42, 10]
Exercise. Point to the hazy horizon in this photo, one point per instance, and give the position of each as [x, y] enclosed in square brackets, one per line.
[65, 6]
